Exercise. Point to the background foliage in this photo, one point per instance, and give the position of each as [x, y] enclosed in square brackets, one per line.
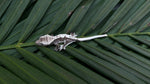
[122, 57]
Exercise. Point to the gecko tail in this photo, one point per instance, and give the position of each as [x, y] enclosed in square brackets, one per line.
[92, 37]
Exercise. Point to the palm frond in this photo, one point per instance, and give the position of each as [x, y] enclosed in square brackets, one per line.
[122, 57]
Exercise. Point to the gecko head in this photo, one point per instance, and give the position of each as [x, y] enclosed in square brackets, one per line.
[45, 40]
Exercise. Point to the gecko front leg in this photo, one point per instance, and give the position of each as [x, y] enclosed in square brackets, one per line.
[63, 46]
[58, 47]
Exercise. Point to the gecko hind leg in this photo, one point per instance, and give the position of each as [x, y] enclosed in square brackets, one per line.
[67, 43]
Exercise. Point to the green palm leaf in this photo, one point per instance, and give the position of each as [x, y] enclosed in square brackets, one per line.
[122, 57]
